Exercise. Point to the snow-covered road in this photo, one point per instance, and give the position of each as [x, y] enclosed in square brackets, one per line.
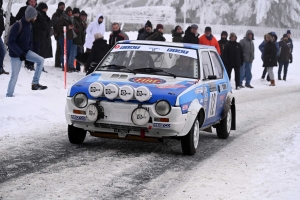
[261, 160]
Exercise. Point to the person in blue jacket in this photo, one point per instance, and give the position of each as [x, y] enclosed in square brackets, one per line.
[19, 44]
[261, 48]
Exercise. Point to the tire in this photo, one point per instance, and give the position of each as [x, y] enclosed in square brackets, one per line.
[224, 127]
[76, 135]
[189, 143]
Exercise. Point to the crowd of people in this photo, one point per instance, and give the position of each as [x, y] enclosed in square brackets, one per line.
[29, 40]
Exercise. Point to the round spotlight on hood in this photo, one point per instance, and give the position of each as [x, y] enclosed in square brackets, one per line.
[96, 89]
[126, 92]
[142, 93]
[111, 91]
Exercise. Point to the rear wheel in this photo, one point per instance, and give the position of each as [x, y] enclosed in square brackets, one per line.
[189, 143]
[76, 135]
[223, 129]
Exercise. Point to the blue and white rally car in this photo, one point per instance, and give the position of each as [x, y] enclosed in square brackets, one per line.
[147, 90]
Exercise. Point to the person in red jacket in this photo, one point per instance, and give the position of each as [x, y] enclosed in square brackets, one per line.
[208, 39]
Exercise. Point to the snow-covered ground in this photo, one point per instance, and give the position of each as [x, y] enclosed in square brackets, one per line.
[261, 160]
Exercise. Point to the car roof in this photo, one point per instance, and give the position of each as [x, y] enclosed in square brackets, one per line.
[172, 44]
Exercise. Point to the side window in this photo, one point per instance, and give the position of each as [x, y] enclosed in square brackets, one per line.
[206, 63]
[218, 69]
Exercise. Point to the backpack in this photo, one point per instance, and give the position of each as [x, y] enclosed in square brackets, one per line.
[8, 31]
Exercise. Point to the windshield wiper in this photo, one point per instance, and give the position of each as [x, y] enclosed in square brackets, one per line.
[113, 66]
[153, 70]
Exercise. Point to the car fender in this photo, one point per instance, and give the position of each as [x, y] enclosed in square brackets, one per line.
[192, 113]
[230, 104]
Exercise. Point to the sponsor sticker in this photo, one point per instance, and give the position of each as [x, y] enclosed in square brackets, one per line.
[185, 107]
[154, 48]
[160, 125]
[170, 86]
[180, 51]
[147, 80]
[127, 47]
[78, 118]
[199, 90]
[222, 87]
[212, 87]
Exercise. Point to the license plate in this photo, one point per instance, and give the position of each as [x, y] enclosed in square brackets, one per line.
[121, 131]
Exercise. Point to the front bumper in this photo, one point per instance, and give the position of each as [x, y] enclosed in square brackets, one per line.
[117, 119]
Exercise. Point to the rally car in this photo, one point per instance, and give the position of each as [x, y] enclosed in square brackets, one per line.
[147, 91]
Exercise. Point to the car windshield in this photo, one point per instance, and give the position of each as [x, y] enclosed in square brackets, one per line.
[177, 62]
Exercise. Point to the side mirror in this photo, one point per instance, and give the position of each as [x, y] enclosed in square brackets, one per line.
[212, 77]
[94, 64]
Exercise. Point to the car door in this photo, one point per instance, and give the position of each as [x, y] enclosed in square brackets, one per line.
[210, 88]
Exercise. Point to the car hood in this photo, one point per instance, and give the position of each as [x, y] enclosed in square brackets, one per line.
[161, 87]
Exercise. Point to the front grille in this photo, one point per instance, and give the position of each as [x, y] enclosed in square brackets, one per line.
[120, 127]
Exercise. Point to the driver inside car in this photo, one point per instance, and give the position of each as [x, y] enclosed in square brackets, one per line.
[141, 60]
[183, 67]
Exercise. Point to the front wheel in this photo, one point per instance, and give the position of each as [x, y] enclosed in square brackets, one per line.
[224, 127]
[189, 143]
[76, 135]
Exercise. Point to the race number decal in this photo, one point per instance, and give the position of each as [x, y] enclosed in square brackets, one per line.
[212, 104]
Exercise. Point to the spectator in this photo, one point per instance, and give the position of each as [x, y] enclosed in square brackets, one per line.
[248, 50]
[147, 31]
[261, 47]
[29, 65]
[233, 58]
[208, 39]
[55, 18]
[270, 57]
[19, 50]
[191, 35]
[2, 47]
[274, 36]
[177, 34]
[78, 41]
[67, 20]
[285, 56]
[99, 50]
[223, 41]
[83, 20]
[41, 32]
[116, 35]
[96, 26]
[290, 40]
[157, 35]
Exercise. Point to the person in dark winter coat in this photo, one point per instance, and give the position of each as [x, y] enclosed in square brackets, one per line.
[41, 32]
[285, 56]
[116, 35]
[223, 41]
[233, 58]
[146, 32]
[177, 34]
[2, 47]
[270, 57]
[79, 30]
[67, 20]
[261, 47]
[99, 50]
[289, 33]
[83, 21]
[19, 45]
[157, 35]
[248, 50]
[19, 16]
[55, 18]
[191, 35]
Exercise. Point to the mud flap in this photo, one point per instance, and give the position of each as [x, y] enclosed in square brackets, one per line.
[233, 121]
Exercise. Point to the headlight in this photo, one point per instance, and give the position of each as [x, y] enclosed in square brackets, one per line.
[162, 108]
[80, 100]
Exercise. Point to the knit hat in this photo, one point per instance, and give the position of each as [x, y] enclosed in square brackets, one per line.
[207, 29]
[83, 13]
[42, 6]
[148, 24]
[98, 36]
[159, 26]
[194, 26]
[60, 4]
[76, 11]
[30, 12]
[288, 32]
[224, 33]
[68, 9]
[232, 35]
[285, 35]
